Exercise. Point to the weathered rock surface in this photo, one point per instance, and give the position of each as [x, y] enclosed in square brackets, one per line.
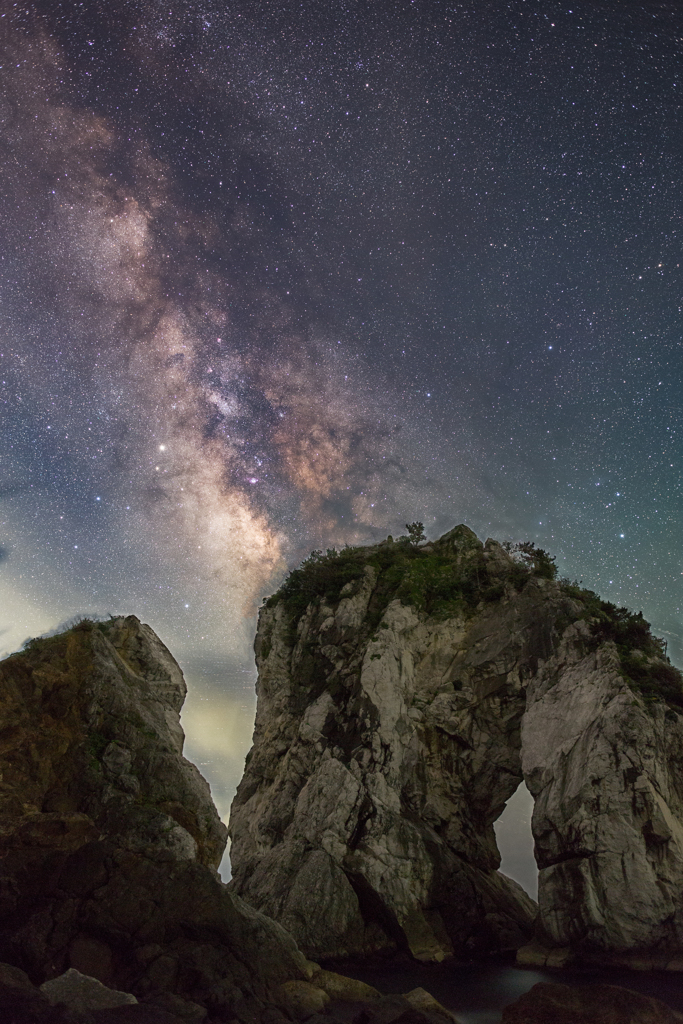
[21, 1001]
[85, 1002]
[109, 839]
[82, 993]
[391, 728]
[549, 1003]
[606, 772]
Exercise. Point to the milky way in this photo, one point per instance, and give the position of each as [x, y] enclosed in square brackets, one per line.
[286, 276]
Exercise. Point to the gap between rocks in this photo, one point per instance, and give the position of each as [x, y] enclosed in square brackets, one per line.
[515, 841]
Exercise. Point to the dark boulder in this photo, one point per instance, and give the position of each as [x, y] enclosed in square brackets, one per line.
[550, 1003]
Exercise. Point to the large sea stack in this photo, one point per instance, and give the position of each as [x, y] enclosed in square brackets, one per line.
[404, 692]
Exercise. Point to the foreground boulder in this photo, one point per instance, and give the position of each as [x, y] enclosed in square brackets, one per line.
[74, 998]
[109, 840]
[21, 1001]
[416, 1007]
[82, 993]
[548, 1003]
[404, 692]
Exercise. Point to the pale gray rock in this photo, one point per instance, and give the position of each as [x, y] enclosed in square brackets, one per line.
[606, 774]
[346, 827]
[387, 741]
[81, 993]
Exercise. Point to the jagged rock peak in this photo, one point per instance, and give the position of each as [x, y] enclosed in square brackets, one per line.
[404, 691]
[109, 839]
[96, 718]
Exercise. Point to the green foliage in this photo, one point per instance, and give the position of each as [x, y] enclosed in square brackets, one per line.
[81, 623]
[33, 643]
[641, 655]
[446, 584]
[654, 679]
[437, 585]
[96, 744]
[389, 576]
[105, 625]
[535, 560]
[628, 630]
[320, 575]
[416, 533]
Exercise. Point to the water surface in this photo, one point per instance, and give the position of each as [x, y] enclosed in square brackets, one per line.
[478, 992]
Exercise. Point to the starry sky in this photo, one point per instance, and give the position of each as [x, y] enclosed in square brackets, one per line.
[281, 276]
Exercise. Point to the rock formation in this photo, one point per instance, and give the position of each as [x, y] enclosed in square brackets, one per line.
[109, 840]
[404, 691]
[549, 1003]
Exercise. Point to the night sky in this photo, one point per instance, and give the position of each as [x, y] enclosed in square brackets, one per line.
[276, 277]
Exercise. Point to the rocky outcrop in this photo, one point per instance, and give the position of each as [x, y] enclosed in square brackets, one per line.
[109, 840]
[80, 993]
[605, 768]
[550, 1003]
[403, 694]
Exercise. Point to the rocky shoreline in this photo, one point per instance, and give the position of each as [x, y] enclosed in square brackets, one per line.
[399, 707]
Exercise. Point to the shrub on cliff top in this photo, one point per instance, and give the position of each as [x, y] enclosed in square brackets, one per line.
[442, 585]
[320, 575]
[416, 533]
[642, 655]
[536, 560]
[436, 583]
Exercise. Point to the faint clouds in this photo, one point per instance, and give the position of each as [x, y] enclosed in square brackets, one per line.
[21, 618]
[218, 729]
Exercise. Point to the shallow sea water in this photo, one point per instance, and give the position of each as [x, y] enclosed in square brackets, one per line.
[477, 993]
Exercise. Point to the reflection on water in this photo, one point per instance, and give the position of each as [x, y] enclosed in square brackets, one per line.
[477, 992]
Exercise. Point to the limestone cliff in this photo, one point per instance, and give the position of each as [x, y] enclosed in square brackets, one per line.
[109, 839]
[403, 693]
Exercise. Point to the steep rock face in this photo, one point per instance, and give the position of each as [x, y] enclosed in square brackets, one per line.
[383, 753]
[391, 730]
[109, 839]
[606, 771]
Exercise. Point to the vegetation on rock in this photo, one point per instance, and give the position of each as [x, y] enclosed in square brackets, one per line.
[443, 582]
[642, 655]
[405, 689]
[110, 840]
[438, 583]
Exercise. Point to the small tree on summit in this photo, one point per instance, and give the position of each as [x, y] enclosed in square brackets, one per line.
[416, 533]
